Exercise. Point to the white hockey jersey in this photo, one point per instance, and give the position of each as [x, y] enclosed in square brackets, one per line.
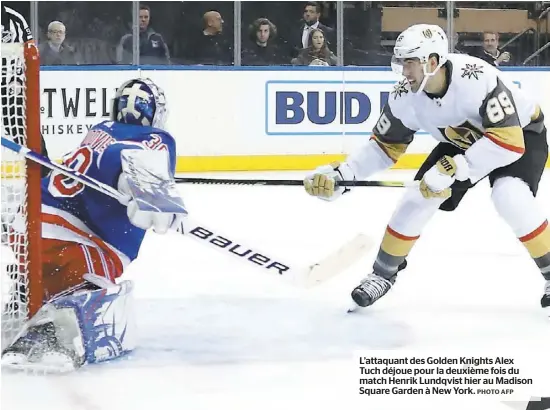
[480, 103]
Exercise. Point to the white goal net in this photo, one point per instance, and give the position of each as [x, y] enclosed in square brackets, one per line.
[16, 190]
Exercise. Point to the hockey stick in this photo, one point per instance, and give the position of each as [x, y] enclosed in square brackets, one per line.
[285, 182]
[307, 277]
[77, 176]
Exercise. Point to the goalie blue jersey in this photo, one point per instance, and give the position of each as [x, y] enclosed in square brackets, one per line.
[73, 212]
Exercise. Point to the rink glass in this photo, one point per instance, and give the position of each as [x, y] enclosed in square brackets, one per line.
[363, 32]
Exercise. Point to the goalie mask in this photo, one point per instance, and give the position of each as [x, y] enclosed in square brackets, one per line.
[140, 102]
[420, 42]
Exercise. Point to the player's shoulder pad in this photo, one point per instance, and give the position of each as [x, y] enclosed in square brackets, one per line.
[166, 137]
[102, 124]
[472, 73]
[473, 77]
[399, 101]
[153, 130]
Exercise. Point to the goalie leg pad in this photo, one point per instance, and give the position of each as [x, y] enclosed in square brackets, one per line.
[105, 317]
[88, 326]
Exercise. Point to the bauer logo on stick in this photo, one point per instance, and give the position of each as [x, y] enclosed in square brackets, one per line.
[236, 249]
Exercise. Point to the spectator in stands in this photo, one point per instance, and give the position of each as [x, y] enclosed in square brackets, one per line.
[54, 52]
[211, 47]
[300, 38]
[317, 50]
[457, 43]
[152, 47]
[490, 52]
[261, 49]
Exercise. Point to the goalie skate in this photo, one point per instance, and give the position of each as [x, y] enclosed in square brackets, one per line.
[50, 362]
[37, 350]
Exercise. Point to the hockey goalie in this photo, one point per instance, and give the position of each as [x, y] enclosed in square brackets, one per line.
[89, 238]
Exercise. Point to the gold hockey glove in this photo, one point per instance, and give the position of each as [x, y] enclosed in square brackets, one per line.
[437, 181]
[322, 182]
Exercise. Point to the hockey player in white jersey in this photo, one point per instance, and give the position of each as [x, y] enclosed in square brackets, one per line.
[486, 127]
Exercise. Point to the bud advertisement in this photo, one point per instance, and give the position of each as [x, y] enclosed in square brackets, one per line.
[324, 107]
[221, 113]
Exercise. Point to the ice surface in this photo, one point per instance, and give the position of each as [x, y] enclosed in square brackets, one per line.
[217, 334]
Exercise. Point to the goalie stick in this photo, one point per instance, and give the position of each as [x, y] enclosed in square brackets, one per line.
[301, 276]
[286, 182]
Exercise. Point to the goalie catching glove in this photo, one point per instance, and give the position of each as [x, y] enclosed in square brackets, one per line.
[322, 183]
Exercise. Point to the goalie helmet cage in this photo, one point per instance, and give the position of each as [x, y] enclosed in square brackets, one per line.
[21, 284]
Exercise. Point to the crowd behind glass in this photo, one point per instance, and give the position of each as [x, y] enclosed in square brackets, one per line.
[279, 33]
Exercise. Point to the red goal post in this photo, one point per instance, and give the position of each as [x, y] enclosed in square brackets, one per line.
[22, 291]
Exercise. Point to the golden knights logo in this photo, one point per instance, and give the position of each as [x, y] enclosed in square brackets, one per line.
[427, 33]
[463, 136]
[471, 70]
[399, 89]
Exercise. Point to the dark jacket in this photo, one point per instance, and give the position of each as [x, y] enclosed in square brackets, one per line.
[305, 58]
[253, 54]
[65, 56]
[210, 50]
[489, 58]
[152, 48]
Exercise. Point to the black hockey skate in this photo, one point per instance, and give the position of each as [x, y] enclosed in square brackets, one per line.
[373, 287]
